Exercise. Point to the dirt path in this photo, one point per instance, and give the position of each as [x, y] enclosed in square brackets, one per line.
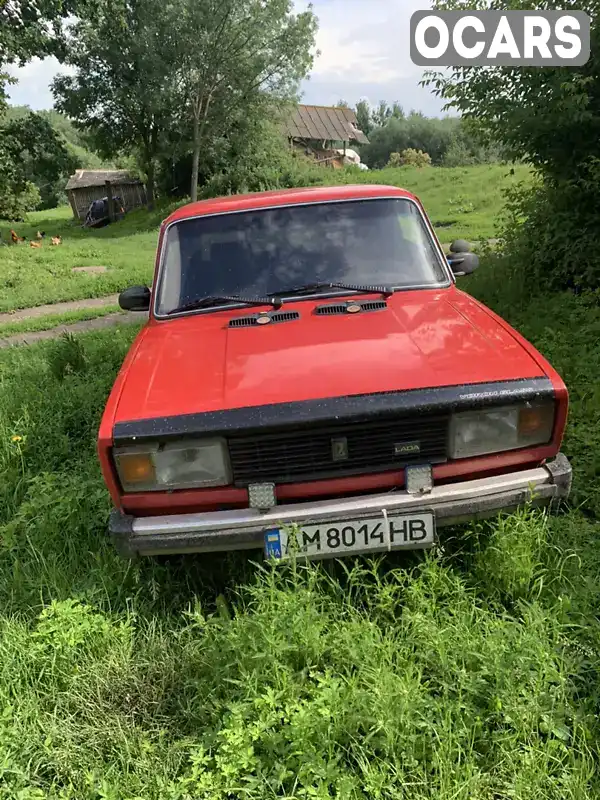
[108, 321]
[58, 308]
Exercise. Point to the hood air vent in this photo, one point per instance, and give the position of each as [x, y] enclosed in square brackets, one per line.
[332, 309]
[374, 305]
[253, 320]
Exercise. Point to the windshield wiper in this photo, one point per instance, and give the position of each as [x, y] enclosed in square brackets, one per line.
[386, 291]
[213, 300]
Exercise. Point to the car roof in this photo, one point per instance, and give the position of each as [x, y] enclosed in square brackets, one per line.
[284, 197]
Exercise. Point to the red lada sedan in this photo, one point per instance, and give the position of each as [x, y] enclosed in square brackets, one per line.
[311, 379]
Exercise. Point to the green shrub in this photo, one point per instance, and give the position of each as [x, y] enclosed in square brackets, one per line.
[15, 205]
[551, 232]
[288, 171]
[458, 154]
[410, 158]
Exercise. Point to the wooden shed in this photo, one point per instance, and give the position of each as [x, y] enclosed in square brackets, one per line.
[87, 185]
[323, 131]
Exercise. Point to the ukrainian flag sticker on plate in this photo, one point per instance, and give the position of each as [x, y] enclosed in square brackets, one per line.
[273, 544]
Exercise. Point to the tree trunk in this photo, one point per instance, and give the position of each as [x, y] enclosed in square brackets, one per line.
[110, 201]
[149, 153]
[150, 185]
[195, 161]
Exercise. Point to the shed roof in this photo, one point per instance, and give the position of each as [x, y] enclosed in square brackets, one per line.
[324, 123]
[85, 178]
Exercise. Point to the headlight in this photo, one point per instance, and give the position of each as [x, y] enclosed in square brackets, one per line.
[495, 430]
[177, 465]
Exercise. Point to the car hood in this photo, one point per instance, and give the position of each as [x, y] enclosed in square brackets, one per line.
[423, 339]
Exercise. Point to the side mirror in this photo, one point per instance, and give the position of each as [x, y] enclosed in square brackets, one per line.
[136, 298]
[463, 263]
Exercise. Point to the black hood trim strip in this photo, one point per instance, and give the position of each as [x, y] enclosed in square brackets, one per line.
[332, 410]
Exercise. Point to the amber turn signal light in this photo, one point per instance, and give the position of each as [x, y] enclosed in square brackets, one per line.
[136, 468]
[535, 419]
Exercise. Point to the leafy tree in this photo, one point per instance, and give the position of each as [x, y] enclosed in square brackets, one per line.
[39, 157]
[385, 112]
[42, 156]
[67, 149]
[78, 143]
[233, 56]
[28, 28]
[381, 114]
[432, 136]
[385, 140]
[363, 116]
[258, 160]
[238, 147]
[64, 127]
[31, 28]
[466, 149]
[123, 91]
[21, 199]
[253, 156]
[550, 117]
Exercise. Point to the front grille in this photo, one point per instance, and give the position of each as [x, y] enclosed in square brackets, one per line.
[305, 454]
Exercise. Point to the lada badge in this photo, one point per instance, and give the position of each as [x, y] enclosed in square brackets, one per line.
[353, 308]
[263, 320]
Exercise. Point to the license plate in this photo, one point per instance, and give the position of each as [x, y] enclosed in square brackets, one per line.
[373, 535]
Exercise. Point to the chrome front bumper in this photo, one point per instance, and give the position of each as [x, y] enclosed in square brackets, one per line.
[243, 529]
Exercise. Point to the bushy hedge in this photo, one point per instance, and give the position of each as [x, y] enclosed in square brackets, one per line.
[551, 233]
[287, 171]
[14, 205]
[410, 158]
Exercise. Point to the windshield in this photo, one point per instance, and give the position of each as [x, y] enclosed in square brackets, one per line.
[266, 252]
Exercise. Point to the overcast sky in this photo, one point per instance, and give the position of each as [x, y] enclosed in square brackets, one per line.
[364, 54]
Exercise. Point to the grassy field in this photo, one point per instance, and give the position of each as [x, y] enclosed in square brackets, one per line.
[32, 277]
[461, 203]
[470, 676]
